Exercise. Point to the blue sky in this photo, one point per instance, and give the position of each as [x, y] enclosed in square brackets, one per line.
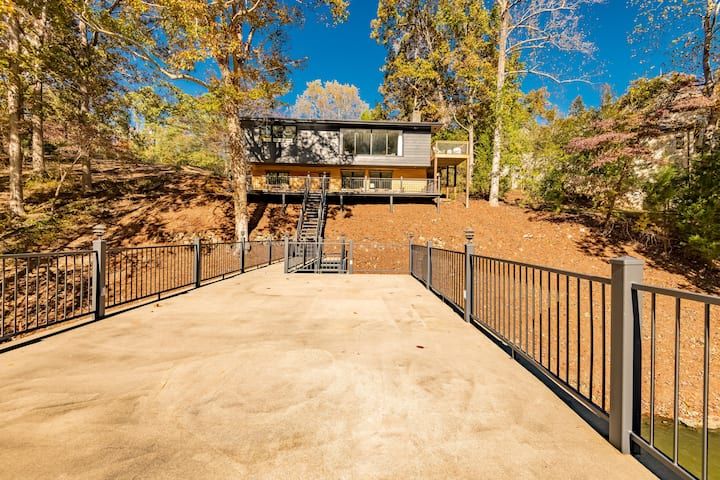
[347, 53]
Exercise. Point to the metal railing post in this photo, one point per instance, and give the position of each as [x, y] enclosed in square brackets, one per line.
[351, 261]
[269, 252]
[411, 236]
[99, 247]
[319, 257]
[287, 254]
[197, 262]
[242, 256]
[428, 280]
[626, 271]
[342, 268]
[469, 251]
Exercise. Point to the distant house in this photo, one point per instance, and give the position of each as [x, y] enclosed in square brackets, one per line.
[682, 123]
[356, 158]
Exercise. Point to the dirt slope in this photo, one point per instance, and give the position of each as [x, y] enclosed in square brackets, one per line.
[150, 204]
[516, 233]
[139, 203]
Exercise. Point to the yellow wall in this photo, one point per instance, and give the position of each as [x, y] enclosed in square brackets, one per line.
[333, 171]
[405, 173]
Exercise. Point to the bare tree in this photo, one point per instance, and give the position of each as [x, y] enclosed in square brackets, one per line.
[688, 28]
[529, 32]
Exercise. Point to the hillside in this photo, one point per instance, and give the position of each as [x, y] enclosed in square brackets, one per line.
[150, 204]
[139, 203]
[514, 232]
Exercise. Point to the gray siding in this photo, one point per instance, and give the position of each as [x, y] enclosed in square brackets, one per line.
[322, 147]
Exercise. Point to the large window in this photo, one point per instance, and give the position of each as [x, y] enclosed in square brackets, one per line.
[276, 179]
[381, 179]
[274, 133]
[353, 179]
[372, 142]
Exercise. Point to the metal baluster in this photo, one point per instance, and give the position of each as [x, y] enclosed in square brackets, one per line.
[541, 311]
[514, 322]
[706, 392]
[567, 329]
[57, 286]
[27, 290]
[604, 348]
[533, 315]
[549, 322]
[2, 299]
[74, 268]
[557, 324]
[577, 359]
[527, 313]
[15, 283]
[65, 289]
[676, 384]
[592, 340]
[652, 366]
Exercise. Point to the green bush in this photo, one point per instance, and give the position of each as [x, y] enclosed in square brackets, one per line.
[698, 208]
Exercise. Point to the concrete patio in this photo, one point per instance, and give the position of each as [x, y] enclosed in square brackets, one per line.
[274, 376]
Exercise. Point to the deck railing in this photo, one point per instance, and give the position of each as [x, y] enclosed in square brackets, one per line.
[450, 148]
[642, 361]
[43, 289]
[350, 185]
[682, 326]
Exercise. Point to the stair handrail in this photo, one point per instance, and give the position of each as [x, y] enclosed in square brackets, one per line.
[301, 220]
[323, 209]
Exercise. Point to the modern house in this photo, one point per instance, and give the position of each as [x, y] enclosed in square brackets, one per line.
[357, 158]
[321, 161]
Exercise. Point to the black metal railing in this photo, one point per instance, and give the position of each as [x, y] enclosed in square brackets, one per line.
[556, 318]
[319, 257]
[673, 399]
[642, 360]
[419, 262]
[301, 218]
[135, 273]
[39, 290]
[220, 259]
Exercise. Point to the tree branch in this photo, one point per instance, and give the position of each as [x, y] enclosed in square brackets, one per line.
[550, 76]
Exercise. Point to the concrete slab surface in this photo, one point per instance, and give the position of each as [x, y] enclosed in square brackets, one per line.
[274, 376]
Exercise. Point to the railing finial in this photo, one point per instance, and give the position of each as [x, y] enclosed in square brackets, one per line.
[99, 231]
[469, 234]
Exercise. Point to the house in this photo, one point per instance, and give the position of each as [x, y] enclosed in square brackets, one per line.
[350, 158]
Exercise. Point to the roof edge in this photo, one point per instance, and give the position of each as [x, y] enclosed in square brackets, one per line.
[309, 121]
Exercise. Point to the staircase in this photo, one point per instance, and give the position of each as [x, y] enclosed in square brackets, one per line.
[310, 221]
[311, 224]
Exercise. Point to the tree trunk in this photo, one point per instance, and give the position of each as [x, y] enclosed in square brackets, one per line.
[708, 33]
[238, 168]
[499, 85]
[85, 141]
[38, 134]
[470, 163]
[37, 42]
[14, 101]
[86, 138]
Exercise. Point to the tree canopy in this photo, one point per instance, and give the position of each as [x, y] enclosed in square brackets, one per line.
[330, 100]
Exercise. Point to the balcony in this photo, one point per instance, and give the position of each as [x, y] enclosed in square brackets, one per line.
[345, 185]
[451, 149]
